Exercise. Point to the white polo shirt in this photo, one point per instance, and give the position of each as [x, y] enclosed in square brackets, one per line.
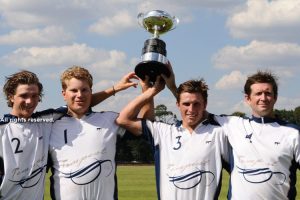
[83, 155]
[23, 155]
[265, 157]
[188, 166]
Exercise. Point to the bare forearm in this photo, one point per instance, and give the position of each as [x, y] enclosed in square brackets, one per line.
[123, 84]
[128, 117]
[132, 109]
[147, 111]
[173, 89]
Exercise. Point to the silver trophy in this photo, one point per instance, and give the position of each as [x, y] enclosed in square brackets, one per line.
[153, 59]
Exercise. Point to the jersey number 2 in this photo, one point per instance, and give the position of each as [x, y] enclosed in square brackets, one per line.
[18, 145]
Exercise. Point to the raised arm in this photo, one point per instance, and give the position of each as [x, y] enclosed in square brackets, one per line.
[170, 81]
[123, 84]
[147, 111]
[128, 117]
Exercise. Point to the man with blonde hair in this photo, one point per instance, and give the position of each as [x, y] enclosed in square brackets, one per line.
[83, 143]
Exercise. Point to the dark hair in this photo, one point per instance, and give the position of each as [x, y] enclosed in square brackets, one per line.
[193, 86]
[261, 77]
[20, 78]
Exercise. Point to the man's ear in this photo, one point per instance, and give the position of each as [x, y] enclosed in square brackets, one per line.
[247, 98]
[63, 92]
[11, 100]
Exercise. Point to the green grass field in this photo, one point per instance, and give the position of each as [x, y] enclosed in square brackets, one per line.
[138, 183]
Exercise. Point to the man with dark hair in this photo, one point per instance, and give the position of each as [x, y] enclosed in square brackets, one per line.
[188, 155]
[265, 149]
[263, 87]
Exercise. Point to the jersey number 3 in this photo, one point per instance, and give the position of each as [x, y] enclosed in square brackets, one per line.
[178, 144]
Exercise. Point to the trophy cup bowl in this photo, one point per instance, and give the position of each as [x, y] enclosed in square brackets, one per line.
[154, 54]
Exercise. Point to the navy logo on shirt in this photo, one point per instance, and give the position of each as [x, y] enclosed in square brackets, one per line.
[90, 172]
[192, 179]
[249, 136]
[261, 175]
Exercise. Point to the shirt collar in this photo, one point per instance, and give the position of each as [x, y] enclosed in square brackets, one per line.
[86, 114]
[264, 120]
[10, 116]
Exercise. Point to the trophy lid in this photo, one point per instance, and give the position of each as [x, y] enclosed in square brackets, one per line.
[157, 22]
[157, 13]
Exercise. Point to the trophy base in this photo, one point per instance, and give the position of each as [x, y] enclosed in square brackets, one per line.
[151, 69]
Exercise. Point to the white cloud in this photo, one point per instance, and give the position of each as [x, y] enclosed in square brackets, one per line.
[31, 13]
[190, 4]
[26, 14]
[48, 36]
[113, 66]
[267, 20]
[232, 81]
[79, 54]
[257, 55]
[113, 25]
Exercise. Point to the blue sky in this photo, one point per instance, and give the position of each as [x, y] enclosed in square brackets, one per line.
[221, 41]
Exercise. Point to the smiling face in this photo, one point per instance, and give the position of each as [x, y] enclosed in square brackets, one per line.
[261, 99]
[77, 95]
[25, 100]
[192, 108]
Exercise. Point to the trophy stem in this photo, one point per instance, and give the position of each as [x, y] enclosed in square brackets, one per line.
[156, 32]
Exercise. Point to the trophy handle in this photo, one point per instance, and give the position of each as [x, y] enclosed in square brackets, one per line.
[175, 22]
[140, 18]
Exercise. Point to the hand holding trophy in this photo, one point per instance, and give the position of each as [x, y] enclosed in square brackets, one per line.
[153, 59]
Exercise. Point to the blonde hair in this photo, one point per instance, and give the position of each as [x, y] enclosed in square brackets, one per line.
[78, 73]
